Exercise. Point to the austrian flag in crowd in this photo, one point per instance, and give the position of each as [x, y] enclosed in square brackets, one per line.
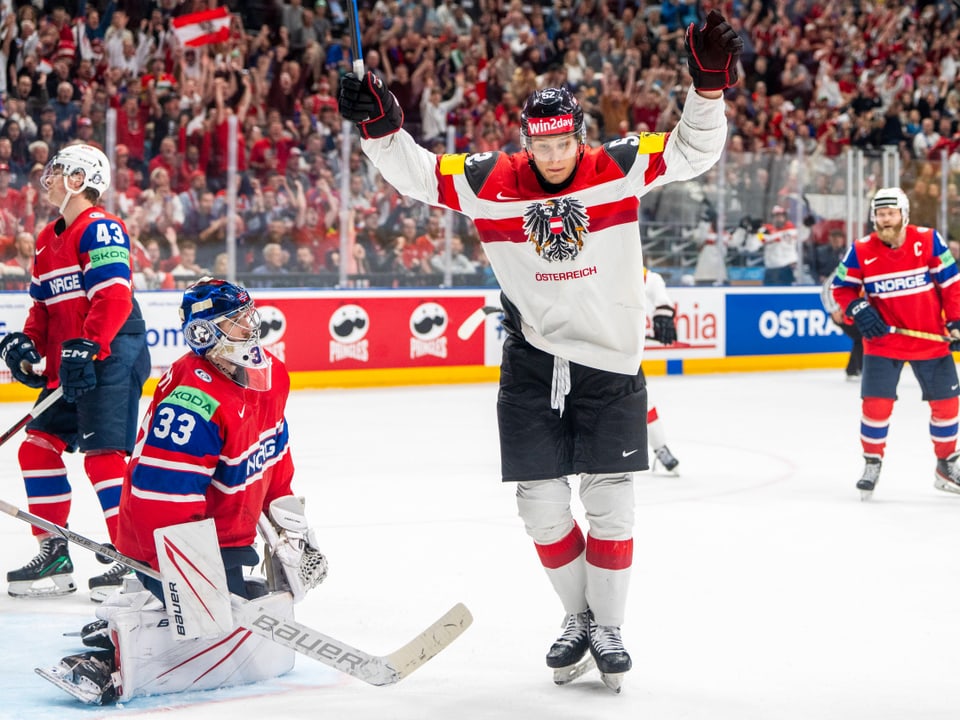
[202, 28]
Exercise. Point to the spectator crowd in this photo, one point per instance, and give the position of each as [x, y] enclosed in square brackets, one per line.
[817, 78]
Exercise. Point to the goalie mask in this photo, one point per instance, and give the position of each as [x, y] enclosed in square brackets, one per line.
[891, 197]
[221, 324]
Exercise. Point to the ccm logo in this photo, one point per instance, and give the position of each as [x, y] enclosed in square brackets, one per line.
[78, 354]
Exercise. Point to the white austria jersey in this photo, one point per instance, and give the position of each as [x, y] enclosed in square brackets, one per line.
[570, 262]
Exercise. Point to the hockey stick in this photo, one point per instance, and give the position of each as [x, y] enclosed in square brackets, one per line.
[475, 320]
[35, 411]
[373, 669]
[355, 44]
[923, 335]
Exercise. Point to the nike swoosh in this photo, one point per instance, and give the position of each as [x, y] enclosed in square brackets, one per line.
[628, 454]
[954, 387]
[869, 260]
[90, 434]
[501, 196]
[241, 412]
[40, 250]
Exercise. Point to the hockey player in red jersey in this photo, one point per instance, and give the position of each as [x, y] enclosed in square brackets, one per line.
[213, 444]
[558, 221]
[86, 323]
[903, 277]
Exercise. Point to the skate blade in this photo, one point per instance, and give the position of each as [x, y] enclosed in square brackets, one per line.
[865, 495]
[61, 585]
[614, 681]
[941, 484]
[564, 675]
[100, 594]
[60, 677]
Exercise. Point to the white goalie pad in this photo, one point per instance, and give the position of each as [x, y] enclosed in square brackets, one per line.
[293, 549]
[152, 661]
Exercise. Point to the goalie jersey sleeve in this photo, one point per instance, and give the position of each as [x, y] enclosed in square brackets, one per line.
[207, 448]
[570, 263]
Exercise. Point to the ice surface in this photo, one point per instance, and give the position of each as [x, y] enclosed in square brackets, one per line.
[763, 588]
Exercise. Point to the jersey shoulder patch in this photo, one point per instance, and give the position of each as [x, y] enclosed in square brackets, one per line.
[477, 168]
[624, 151]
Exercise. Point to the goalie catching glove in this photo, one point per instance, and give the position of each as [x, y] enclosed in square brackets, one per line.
[292, 546]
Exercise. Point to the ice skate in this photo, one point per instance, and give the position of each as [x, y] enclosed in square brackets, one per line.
[47, 575]
[947, 476]
[103, 586]
[569, 648]
[871, 476]
[665, 458]
[611, 657]
[87, 676]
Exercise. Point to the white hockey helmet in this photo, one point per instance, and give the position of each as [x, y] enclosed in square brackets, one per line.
[892, 197]
[75, 159]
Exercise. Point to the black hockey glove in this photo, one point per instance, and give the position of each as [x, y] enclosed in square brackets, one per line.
[953, 328]
[370, 105]
[664, 328]
[713, 50]
[867, 320]
[19, 353]
[77, 374]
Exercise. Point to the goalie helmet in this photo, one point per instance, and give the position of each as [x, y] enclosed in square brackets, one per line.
[221, 323]
[75, 159]
[892, 197]
[551, 111]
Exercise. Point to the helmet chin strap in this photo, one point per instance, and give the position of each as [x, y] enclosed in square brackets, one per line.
[68, 195]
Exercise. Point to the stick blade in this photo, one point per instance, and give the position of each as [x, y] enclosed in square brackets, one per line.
[431, 641]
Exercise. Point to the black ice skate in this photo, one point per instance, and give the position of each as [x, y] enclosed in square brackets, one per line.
[103, 586]
[871, 475]
[947, 477]
[47, 575]
[87, 676]
[570, 647]
[608, 652]
[666, 459]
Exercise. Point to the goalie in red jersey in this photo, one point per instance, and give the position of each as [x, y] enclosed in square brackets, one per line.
[86, 323]
[899, 279]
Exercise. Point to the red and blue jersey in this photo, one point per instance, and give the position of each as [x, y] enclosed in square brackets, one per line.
[82, 284]
[915, 286]
[207, 448]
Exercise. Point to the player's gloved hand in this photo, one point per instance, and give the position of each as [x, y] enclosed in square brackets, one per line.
[77, 374]
[713, 50]
[867, 320]
[953, 328]
[20, 355]
[664, 328]
[370, 105]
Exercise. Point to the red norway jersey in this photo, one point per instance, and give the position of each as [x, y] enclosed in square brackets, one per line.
[207, 448]
[915, 286]
[82, 285]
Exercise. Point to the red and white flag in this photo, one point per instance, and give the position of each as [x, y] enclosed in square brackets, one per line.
[202, 28]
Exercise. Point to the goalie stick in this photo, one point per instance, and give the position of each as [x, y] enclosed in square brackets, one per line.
[475, 320]
[35, 411]
[373, 669]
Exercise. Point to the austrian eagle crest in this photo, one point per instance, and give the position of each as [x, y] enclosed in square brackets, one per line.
[556, 227]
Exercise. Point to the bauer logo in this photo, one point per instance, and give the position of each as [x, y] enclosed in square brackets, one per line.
[348, 329]
[550, 126]
[773, 324]
[428, 323]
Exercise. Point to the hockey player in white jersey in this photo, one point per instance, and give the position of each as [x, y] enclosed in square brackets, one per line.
[558, 222]
[661, 311]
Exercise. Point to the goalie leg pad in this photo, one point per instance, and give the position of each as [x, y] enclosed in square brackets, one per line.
[153, 662]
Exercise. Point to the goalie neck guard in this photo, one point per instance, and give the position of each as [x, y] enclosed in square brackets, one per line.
[221, 324]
